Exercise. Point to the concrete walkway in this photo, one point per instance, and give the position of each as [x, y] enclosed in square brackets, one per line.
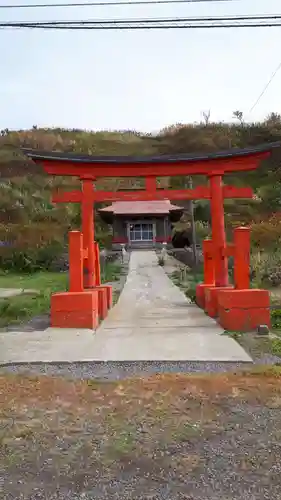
[152, 321]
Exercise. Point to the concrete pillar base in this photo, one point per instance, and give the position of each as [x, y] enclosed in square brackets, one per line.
[105, 299]
[243, 310]
[211, 299]
[200, 294]
[75, 310]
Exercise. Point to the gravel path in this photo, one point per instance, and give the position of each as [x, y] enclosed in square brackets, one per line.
[160, 440]
[123, 370]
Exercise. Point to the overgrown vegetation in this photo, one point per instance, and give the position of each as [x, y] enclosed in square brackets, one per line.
[39, 288]
[34, 230]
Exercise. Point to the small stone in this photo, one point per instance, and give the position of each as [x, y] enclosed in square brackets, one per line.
[263, 330]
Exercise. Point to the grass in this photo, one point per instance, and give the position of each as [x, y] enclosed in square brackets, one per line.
[20, 308]
[164, 428]
[187, 281]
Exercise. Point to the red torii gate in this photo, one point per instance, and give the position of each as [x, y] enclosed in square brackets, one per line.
[87, 302]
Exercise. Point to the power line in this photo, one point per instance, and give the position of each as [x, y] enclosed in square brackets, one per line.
[265, 88]
[150, 23]
[93, 22]
[144, 26]
[96, 4]
[269, 17]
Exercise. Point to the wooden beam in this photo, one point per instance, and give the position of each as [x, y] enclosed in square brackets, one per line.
[237, 192]
[214, 166]
[151, 184]
[198, 193]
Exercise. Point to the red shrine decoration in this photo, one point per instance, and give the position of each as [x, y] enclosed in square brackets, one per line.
[237, 307]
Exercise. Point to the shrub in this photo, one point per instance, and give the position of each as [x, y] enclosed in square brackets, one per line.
[276, 318]
[30, 260]
[203, 230]
[266, 234]
[266, 268]
[276, 347]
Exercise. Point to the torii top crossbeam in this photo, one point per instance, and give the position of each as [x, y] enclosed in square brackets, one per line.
[92, 167]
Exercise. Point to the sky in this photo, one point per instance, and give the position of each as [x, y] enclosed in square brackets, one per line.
[136, 80]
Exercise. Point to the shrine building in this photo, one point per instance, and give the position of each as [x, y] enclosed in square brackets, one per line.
[141, 224]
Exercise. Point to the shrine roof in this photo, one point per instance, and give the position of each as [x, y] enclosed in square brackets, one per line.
[160, 207]
[38, 155]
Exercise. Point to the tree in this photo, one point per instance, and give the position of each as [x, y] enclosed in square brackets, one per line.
[239, 115]
[206, 116]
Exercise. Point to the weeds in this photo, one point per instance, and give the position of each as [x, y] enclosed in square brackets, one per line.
[161, 261]
[19, 308]
[187, 281]
[276, 347]
[266, 268]
[276, 319]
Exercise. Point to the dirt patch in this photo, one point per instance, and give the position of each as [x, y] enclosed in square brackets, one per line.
[170, 436]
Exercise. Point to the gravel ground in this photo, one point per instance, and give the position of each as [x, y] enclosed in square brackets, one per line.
[164, 439]
[121, 371]
[173, 439]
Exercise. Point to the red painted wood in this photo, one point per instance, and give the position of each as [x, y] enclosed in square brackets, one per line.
[218, 231]
[120, 240]
[97, 264]
[200, 192]
[151, 184]
[204, 167]
[163, 240]
[237, 192]
[242, 258]
[75, 261]
[87, 210]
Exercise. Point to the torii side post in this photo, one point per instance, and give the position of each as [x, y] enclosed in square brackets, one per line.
[237, 307]
[231, 303]
[91, 258]
[206, 293]
[78, 308]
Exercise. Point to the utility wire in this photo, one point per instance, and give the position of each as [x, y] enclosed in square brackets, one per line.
[265, 88]
[96, 4]
[86, 22]
[144, 26]
[150, 23]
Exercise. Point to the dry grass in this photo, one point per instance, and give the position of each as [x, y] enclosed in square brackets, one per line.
[64, 434]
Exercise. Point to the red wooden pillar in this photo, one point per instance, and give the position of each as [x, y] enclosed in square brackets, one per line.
[75, 261]
[209, 273]
[97, 264]
[218, 231]
[242, 258]
[87, 210]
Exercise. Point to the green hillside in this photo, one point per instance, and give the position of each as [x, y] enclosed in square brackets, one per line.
[30, 221]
